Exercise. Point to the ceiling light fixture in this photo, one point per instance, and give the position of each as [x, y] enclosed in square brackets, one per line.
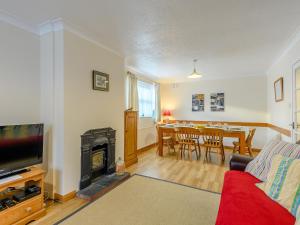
[195, 74]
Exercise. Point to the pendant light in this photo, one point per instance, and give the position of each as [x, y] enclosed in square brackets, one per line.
[195, 74]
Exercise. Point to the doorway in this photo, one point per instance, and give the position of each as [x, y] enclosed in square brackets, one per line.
[296, 103]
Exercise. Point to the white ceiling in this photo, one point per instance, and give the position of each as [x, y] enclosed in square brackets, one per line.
[160, 38]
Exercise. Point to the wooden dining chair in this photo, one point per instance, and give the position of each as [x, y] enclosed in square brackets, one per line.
[168, 140]
[213, 139]
[188, 140]
[236, 144]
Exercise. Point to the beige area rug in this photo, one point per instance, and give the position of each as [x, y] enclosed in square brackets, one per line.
[147, 201]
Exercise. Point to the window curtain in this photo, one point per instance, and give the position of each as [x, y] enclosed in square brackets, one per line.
[132, 99]
[146, 94]
[157, 114]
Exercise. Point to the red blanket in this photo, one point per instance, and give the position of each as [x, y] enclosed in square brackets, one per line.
[242, 203]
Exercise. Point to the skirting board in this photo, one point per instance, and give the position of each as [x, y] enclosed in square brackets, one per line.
[64, 198]
[146, 148]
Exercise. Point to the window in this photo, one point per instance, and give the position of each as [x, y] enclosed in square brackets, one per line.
[146, 94]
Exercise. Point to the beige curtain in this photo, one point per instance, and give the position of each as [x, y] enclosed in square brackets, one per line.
[157, 103]
[132, 99]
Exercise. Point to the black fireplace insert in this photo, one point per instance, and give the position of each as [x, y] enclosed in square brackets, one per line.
[97, 154]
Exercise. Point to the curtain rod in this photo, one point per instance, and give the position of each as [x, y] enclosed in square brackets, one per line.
[142, 78]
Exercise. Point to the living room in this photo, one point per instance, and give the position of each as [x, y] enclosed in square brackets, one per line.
[148, 82]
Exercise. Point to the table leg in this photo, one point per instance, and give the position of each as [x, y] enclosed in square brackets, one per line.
[160, 142]
[242, 143]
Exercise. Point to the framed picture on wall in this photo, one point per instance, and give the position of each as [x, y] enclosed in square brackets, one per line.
[278, 89]
[217, 102]
[198, 102]
[100, 81]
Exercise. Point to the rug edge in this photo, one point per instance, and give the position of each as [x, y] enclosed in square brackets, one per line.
[131, 176]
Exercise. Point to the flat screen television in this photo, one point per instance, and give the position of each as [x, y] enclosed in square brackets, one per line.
[21, 146]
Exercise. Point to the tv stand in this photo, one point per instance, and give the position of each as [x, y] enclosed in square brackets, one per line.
[30, 209]
[14, 172]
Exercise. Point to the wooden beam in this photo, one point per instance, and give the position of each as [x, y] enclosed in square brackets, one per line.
[246, 124]
[281, 130]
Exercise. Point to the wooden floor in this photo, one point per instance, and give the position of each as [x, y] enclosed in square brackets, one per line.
[203, 174]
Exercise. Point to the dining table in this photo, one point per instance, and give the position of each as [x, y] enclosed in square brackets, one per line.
[230, 132]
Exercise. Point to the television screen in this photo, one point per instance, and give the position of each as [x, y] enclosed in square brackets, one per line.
[20, 146]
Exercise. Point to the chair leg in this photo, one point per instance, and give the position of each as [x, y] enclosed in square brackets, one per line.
[179, 146]
[172, 145]
[181, 151]
[250, 151]
[223, 153]
[199, 148]
[196, 150]
[168, 144]
[209, 153]
[190, 152]
[206, 151]
[234, 149]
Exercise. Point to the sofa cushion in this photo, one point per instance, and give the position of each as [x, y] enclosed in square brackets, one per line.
[298, 217]
[242, 203]
[283, 183]
[261, 165]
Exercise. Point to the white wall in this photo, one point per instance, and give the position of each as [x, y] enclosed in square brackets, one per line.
[52, 107]
[19, 76]
[85, 108]
[147, 134]
[280, 113]
[245, 101]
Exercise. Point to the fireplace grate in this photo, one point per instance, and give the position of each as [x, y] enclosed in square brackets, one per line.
[98, 159]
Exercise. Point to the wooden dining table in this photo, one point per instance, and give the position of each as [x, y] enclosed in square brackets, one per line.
[231, 133]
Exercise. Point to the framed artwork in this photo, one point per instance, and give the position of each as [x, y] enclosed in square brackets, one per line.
[100, 81]
[198, 102]
[278, 89]
[217, 102]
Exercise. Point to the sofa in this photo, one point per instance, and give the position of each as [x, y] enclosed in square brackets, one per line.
[242, 203]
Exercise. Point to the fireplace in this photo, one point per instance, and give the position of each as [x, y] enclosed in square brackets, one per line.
[97, 154]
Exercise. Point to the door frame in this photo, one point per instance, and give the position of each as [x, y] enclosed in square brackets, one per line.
[296, 65]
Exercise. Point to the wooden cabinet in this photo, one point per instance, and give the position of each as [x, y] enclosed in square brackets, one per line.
[130, 146]
[28, 210]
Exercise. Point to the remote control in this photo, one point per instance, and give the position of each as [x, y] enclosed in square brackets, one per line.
[2, 207]
[8, 202]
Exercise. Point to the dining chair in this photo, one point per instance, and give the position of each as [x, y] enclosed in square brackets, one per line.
[236, 144]
[213, 139]
[168, 140]
[188, 140]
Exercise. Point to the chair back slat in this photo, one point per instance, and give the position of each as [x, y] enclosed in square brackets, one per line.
[250, 137]
[212, 137]
[187, 134]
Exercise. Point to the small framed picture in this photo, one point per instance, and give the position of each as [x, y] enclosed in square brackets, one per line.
[217, 102]
[278, 89]
[100, 81]
[198, 102]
